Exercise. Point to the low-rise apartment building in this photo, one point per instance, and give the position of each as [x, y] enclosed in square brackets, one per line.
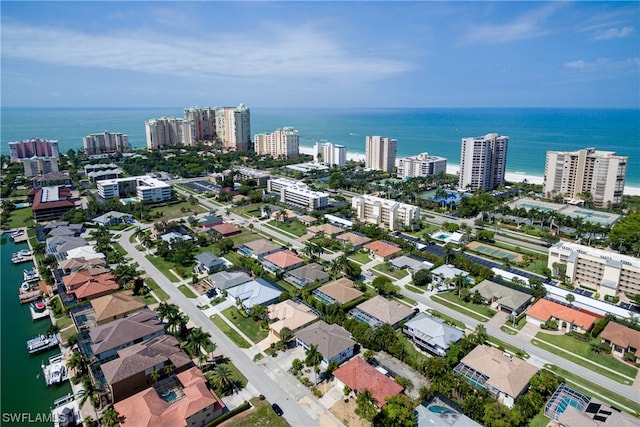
[389, 213]
[144, 187]
[297, 194]
[421, 165]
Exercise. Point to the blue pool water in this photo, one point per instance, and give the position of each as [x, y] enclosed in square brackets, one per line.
[566, 402]
[170, 397]
[441, 409]
[324, 299]
[443, 236]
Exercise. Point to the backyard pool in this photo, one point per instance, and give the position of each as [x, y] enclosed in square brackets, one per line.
[441, 409]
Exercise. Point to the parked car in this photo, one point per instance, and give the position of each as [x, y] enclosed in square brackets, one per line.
[211, 293]
[277, 409]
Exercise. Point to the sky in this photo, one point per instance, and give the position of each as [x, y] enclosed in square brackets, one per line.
[351, 54]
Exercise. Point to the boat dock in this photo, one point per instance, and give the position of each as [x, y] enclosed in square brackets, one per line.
[56, 371]
[29, 296]
[37, 314]
[66, 411]
[42, 343]
[22, 256]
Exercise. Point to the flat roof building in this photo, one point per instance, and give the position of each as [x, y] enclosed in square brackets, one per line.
[144, 187]
[376, 210]
[281, 143]
[483, 162]
[421, 165]
[298, 194]
[105, 142]
[330, 154]
[380, 153]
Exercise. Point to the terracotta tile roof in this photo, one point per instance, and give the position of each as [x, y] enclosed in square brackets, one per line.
[289, 314]
[342, 290]
[116, 304]
[64, 194]
[359, 375]
[545, 309]
[261, 246]
[353, 238]
[284, 259]
[382, 249]
[622, 336]
[147, 408]
[95, 288]
[79, 278]
[226, 229]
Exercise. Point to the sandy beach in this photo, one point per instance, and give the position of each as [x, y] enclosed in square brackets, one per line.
[454, 169]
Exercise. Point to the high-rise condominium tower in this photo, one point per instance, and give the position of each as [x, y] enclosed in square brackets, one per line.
[575, 173]
[204, 122]
[281, 143]
[101, 143]
[169, 132]
[483, 161]
[233, 127]
[380, 153]
[330, 154]
[33, 147]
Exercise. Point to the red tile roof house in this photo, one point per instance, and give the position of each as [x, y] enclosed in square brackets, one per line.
[183, 400]
[84, 286]
[226, 230]
[359, 375]
[568, 318]
[281, 261]
[382, 250]
[622, 339]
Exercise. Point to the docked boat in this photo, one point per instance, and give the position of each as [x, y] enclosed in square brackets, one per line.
[56, 371]
[42, 343]
[66, 412]
[16, 233]
[21, 256]
[30, 274]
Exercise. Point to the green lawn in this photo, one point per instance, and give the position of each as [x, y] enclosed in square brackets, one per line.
[406, 300]
[414, 289]
[508, 330]
[292, 227]
[157, 290]
[234, 258]
[450, 320]
[240, 380]
[595, 390]
[391, 271]
[411, 349]
[164, 267]
[228, 331]
[244, 237]
[483, 311]
[119, 248]
[177, 210]
[360, 257]
[286, 286]
[247, 325]
[572, 348]
[252, 209]
[150, 299]
[503, 345]
[63, 321]
[261, 415]
[187, 291]
[20, 218]
[539, 420]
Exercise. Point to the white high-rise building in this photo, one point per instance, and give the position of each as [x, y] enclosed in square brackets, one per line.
[281, 143]
[380, 153]
[483, 162]
[330, 154]
[204, 121]
[573, 173]
[421, 165]
[169, 132]
[233, 127]
[106, 142]
[35, 166]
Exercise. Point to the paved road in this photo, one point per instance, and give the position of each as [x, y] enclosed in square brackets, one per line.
[294, 413]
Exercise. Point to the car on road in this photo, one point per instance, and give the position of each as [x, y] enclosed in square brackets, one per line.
[277, 409]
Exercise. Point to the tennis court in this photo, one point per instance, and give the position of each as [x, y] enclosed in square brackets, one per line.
[494, 252]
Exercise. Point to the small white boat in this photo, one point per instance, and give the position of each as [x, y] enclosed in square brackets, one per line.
[25, 287]
[56, 371]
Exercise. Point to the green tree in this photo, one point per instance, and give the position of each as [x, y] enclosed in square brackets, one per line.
[286, 334]
[366, 404]
[110, 418]
[398, 412]
[222, 379]
[155, 375]
[197, 340]
[312, 359]
[422, 277]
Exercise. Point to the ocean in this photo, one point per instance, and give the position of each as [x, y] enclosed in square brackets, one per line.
[531, 131]
[23, 388]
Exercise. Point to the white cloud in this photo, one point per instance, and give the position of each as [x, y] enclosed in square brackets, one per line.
[615, 33]
[605, 65]
[300, 52]
[526, 26]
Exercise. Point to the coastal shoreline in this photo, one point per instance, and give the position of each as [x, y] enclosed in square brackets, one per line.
[454, 169]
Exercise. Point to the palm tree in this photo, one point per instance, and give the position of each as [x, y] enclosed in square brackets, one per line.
[110, 418]
[222, 379]
[267, 210]
[166, 311]
[197, 340]
[78, 362]
[480, 335]
[367, 404]
[459, 282]
[155, 375]
[336, 266]
[448, 251]
[168, 369]
[313, 359]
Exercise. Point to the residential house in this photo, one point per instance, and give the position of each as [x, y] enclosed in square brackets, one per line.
[226, 230]
[504, 376]
[60, 244]
[283, 260]
[308, 220]
[86, 252]
[382, 250]
[355, 239]
[431, 334]
[258, 249]
[306, 274]
[340, 291]
[379, 310]
[72, 265]
[63, 229]
[107, 339]
[568, 318]
[133, 370]
[194, 403]
[358, 375]
[444, 274]
[209, 221]
[284, 215]
[83, 285]
[505, 298]
[115, 306]
[208, 263]
[622, 339]
[328, 230]
[255, 292]
[224, 280]
[413, 264]
[439, 409]
[174, 236]
[112, 218]
[333, 342]
[289, 314]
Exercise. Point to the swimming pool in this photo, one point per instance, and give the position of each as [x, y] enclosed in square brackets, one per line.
[566, 402]
[128, 201]
[442, 236]
[441, 410]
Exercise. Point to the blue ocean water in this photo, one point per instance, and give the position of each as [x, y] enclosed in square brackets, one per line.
[532, 131]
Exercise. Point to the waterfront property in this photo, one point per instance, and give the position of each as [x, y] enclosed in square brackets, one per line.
[359, 375]
[19, 150]
[180, 400]
[115, 306]
[379, 310]
[568, 318]
[505, 298]
[431, 334]
[385, 212]
[504, 376]
[146, 188]
[483, 162]
[281, 143]
[289, 314]
[51, 202]
[421, 165]
[83, 285]
[622, 339]
[306, 274]
[340, 291]
[380, 153]
[333, 342]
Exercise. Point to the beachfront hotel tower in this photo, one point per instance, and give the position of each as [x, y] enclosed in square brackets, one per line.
[281, 143]
[421, 165]
[576, 174]
[168, 132]
[19, 150]
[105, 143]
[233, 127]
[483, 161]
[330, 154]
[204, 122]
[380, 153]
